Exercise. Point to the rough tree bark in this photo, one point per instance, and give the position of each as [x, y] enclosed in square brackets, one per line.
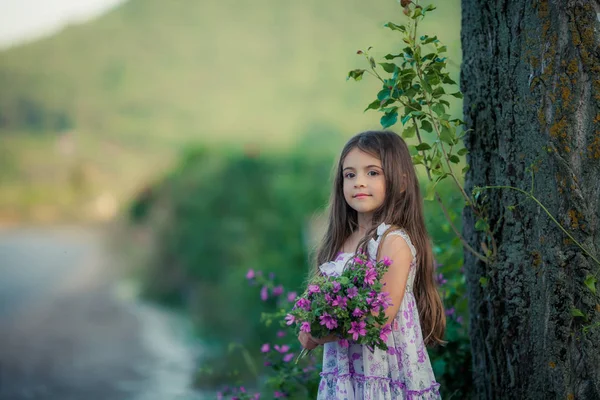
[531, 80]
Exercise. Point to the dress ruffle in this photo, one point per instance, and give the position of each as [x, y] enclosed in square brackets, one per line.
[361, 387]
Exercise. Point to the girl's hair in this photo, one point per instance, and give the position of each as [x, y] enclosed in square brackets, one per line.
[402, 207]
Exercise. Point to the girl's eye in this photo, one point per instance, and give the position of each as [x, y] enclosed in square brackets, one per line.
[373, 173]
[349, 175]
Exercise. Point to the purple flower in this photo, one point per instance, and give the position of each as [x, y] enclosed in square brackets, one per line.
[250, 274]
[357, 313]
[370, 276]
[265, 348]
[292, 296]
[280, 333]
[282, 349]
[305, 327]
[336, 287]
[343, 343]
[384, 300]
[264, 293]
[340, 301]
[385, 332]
[352, 292]
[358, 260]
[328, 298]
[357, 329]
[328, 321]
[313, 289]
[441, 280]
[450, 311]
[290, 319]
[288, 357]
[277, 290]
[303, 304]
[387, 262]
[278, 395]
[459, 319]
[271, 276]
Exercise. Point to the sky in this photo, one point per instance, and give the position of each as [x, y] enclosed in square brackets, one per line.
[25, 20]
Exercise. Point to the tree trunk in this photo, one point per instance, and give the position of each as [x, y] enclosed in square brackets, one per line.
[531, 80]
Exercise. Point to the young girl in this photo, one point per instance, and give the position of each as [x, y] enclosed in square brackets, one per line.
[376, 207]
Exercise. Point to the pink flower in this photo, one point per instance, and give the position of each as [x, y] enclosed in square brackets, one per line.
[282, 349]
[280, 333]
[250, 274]
[369, 264]
[305, 327]
[358, 260]
[292, 296]
[336, 287]
[265, 348]
[314, 289]
[352, 292]
[387, 262]
[277, 290]
[278, 395]
[290, 319]
[385, 332]
[328, 298]
[288, 357]
[340, 302]
[357, 329]
[343, 343]
[303, 304]
[384, 300]
[264, 293]
[357, 313]
[370, 276]
[328, 321]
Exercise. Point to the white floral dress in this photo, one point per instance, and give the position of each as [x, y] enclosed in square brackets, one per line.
[403, 372]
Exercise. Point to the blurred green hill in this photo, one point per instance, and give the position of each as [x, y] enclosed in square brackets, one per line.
[89, 115]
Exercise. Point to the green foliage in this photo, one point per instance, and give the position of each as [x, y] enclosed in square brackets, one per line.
[217, 216]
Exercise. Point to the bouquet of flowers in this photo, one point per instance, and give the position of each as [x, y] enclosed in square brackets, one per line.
[350, 306]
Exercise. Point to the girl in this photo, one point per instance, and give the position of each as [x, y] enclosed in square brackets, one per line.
[376, 207]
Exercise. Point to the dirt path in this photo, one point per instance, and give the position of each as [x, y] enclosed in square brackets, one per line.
[67, 332]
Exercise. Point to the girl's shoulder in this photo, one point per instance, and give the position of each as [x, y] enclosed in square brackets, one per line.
[384, 230]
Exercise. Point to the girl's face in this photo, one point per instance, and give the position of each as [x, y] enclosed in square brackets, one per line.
[364, 183]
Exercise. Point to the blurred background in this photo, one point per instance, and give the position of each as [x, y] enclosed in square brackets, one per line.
[151, 153]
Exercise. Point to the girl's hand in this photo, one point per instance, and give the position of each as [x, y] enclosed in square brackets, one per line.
[307, 341]
[326, 339]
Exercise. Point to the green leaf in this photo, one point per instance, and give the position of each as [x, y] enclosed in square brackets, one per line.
[418, 12]
[462, 152]
[439, 109]
[388, 67]
[430, 192]
[356, 74]
[423, 146]
[426, 125]
[442, 49]
[483, 281]
[372, 62]
[409, 132]
[374, 105]
[458, 95]
[577, 313]
[406, 118]
[389, 119]
[590, 282]
[481, 225]
[392, 56]
[447, 135]
[454, 158]
[395, 27]
[438, 92]
[383, 94]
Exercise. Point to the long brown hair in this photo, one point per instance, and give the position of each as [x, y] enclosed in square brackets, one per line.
[402, 207]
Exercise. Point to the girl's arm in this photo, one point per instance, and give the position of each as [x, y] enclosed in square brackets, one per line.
[396, 249]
